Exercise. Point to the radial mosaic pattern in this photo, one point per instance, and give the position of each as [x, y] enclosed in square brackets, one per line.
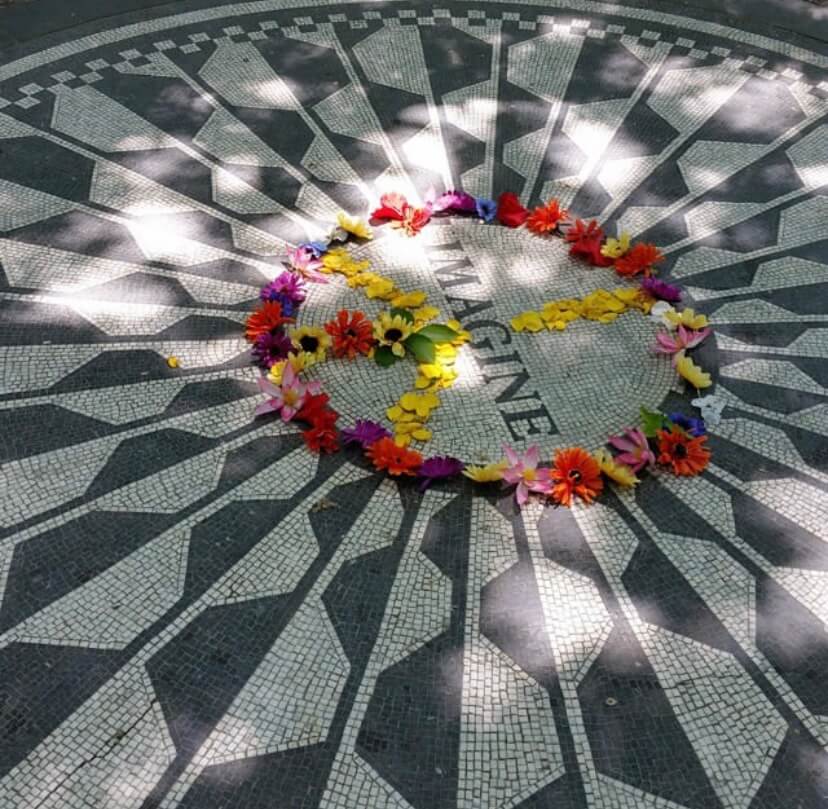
[198, 613]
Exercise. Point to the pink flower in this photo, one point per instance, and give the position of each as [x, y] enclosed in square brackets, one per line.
[286, 399]
[635, 449]
[667, 343]
[523, 471]
[303, 260]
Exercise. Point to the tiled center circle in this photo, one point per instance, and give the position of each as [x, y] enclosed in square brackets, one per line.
[553, 388]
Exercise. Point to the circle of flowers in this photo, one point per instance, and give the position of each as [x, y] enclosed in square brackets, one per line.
[285, 351]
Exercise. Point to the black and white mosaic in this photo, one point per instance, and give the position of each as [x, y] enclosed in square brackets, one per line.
[198, 613]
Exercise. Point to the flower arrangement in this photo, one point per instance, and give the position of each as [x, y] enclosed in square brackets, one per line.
[405, 330]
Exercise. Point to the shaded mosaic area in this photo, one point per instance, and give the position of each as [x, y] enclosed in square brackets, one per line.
[196, 612]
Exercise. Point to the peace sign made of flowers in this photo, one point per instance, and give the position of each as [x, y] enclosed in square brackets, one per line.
[285, 350]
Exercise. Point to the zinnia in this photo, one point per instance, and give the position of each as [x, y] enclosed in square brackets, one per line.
[385, 454]
[352, 334]
[640, 258]
[685, 454]
[266, 319]
[545, 218]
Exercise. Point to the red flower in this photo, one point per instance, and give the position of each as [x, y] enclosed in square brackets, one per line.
[509, 210]
[585, 239]
[640, 258]
[545, 218]
[352, 334]
[265, 320]
[392, 206]
[385, 454]
[575, 472]
[322, 437]
[313, 408]
[683, 452]
[413, 220]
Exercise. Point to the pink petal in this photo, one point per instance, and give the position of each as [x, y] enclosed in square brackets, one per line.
[622, 443]
[696, 337]
[266, 386]
[532, 456]
[288, 413]
[314, 388]
[521, 494]
[265, 407]
[511, 456]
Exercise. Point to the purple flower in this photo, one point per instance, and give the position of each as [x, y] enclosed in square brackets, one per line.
[455, 201]
[270, 348]
[691, 424]
[365, 433]
[486, 209]
[437, 469]
[317, 248]
[661, 290]
[288, 284]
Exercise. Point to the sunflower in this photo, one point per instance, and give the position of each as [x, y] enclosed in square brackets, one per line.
[683, 452]
[392, 330]
[311, 340]
[385, 454]
[265, 320]
[351, 333]
[575, 472]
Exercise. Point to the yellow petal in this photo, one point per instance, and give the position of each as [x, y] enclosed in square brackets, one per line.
[425, 313]
[422, 434]
[527, 321]
[394, 413]
[618, 472]
[354, 226]
[696, 376]
[486, 474]
[409, 300]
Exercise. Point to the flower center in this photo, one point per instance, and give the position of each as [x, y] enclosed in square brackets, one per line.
[290, 397]
[575, 476]
[350, 333]
[529, 475]
[680, 451]
[392, 335]
[309, 343]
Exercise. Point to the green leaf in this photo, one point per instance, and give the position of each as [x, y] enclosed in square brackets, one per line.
[385, 357]
[407, 316]
[652, 421]
[438, 333]
[421, 347]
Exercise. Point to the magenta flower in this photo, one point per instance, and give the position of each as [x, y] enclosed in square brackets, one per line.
[635, 449]
[669, 343]
[286, 399]
[285, 285]
[303, 261]
[364, 433]
[523, 472]
[454, 202]
[437, 469]
[661, 290]
[271, 347]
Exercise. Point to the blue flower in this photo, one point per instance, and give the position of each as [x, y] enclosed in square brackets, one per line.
[486, 209]
[317, 248]
[689, 424]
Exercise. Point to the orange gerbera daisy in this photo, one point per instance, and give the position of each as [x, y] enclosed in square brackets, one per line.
[575, 472]
[545, 218]
[385, 454]
[352, 334]
[265, 320]
[639, 258]
[686, 454]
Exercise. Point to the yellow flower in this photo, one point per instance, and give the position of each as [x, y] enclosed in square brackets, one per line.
[687, 318]
[299, 362]
[381, 288]
[527, 321]
[354, 226]
[392, 331]
[311, 340]
[424, 314]
[619, 472]
[463, 336]
[615, 248]
[408, 300]
[697, 377]
[486, 474]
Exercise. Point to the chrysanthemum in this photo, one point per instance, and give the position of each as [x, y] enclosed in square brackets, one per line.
[575, 474]
[270, 348]
[545, 218]
[640, 258]
[311, 340]
[287, 285]
[685, 454]
[392, 330]
[385, 454]
[364, 433]
[661, 290]
[352, 334]
[266, 319]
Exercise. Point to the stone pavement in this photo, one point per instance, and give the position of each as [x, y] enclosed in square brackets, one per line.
[198, 613]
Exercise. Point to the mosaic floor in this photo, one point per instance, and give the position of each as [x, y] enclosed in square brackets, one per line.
[198, 613]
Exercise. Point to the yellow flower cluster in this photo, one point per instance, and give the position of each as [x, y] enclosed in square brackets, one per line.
[441, 373]
[376, 286]
[603, 306]
[409, 416]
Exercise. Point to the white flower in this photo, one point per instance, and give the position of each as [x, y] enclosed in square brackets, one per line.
[711, 409]
[658, 313]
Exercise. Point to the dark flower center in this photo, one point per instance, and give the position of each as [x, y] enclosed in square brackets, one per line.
[350, 333]
[680, 451]
[575, 476]
[309, 343]
[392, 335]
